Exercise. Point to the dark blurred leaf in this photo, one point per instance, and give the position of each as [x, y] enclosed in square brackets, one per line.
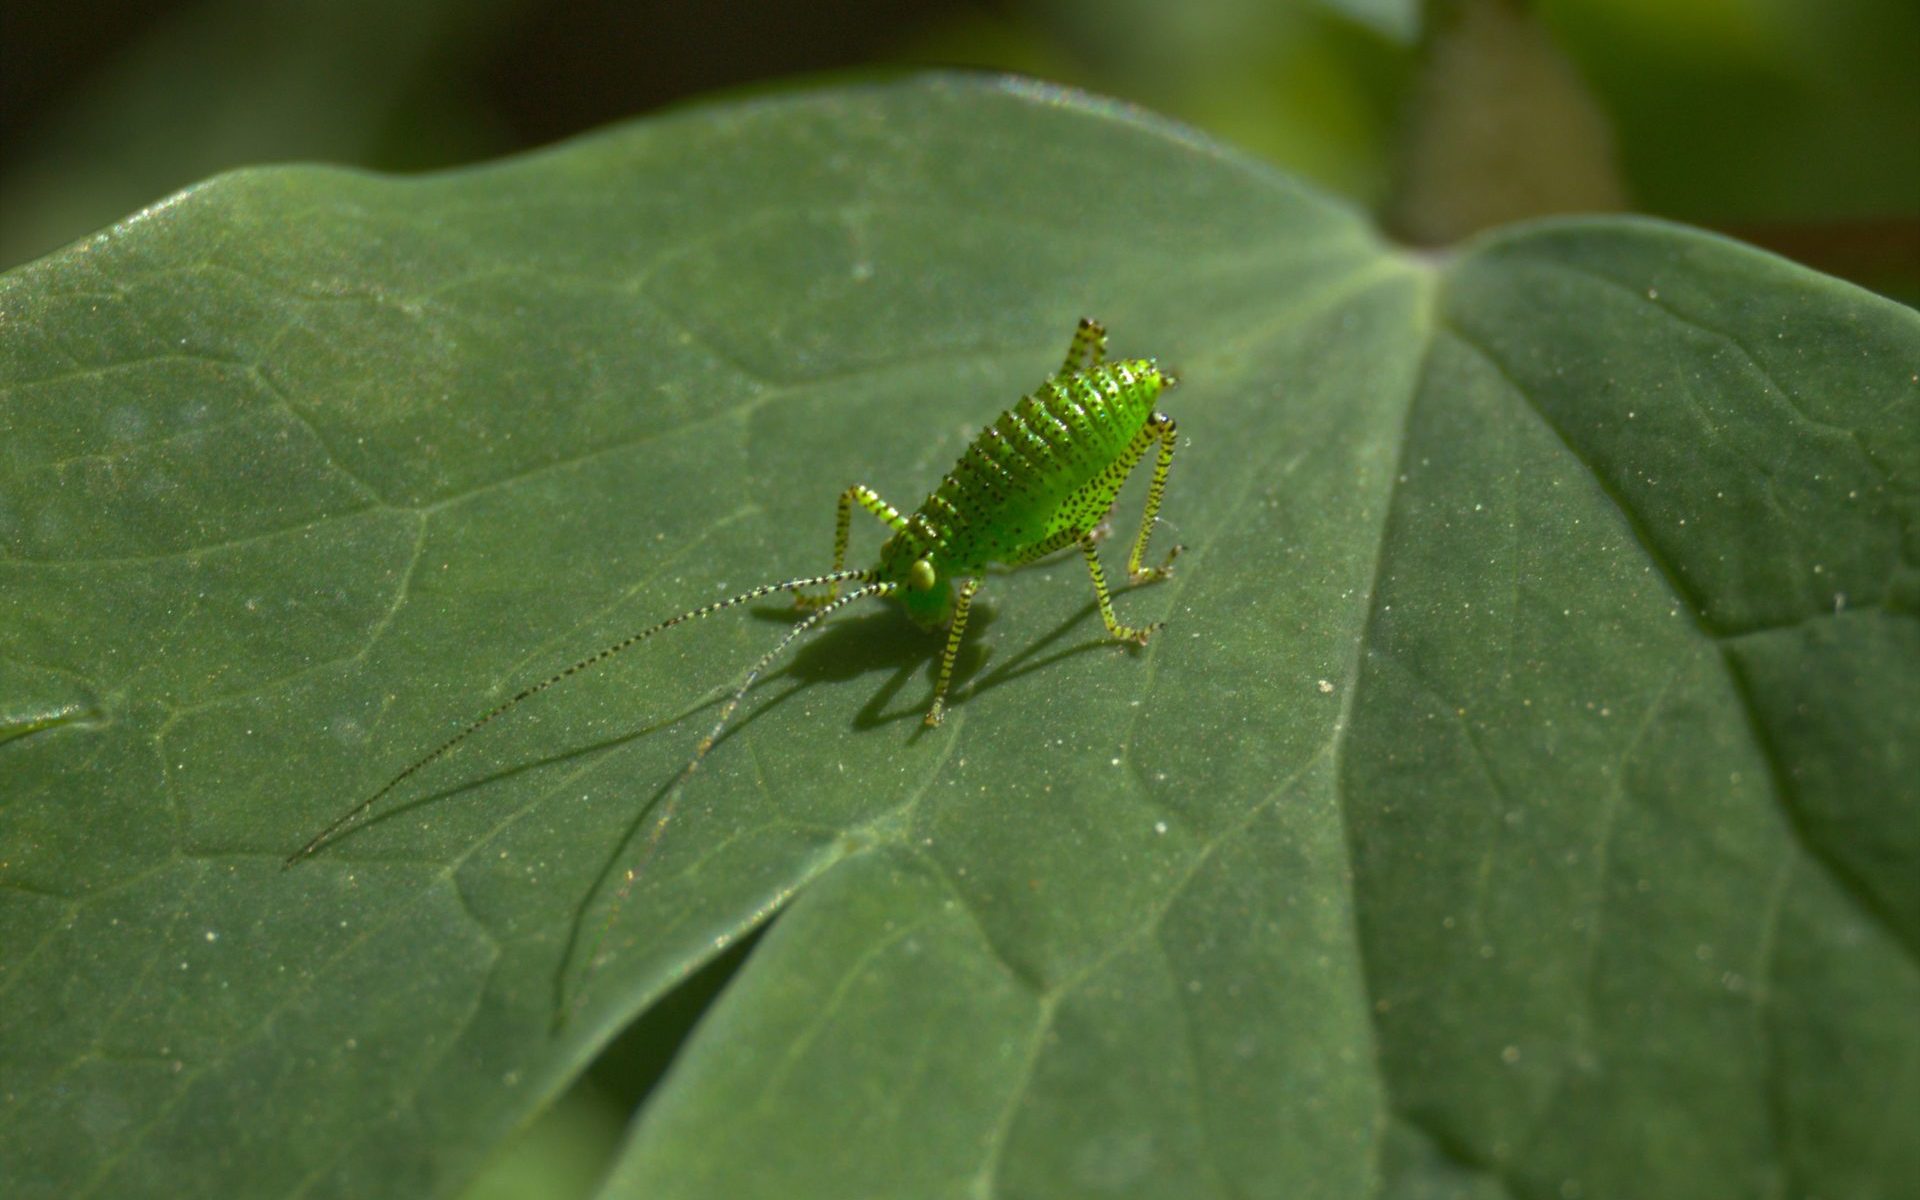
[1518, 802]
[1499, 128]
[1747, 111]
[1316, 85]
[225, 83]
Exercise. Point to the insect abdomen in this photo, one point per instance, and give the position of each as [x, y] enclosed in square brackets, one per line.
[1031, 472]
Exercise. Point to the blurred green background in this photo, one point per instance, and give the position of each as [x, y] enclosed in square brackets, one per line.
[1794, 124]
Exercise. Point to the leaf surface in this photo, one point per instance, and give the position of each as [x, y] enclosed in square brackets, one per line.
[1518, 802]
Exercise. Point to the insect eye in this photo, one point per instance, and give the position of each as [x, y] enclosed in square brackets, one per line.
[920, 577]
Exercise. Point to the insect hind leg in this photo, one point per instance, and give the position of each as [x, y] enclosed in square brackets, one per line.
[1166, 432]
[1088, 348]
[1121, 633]
[868, 499]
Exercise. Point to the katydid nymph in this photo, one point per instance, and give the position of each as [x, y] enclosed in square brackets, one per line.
[1040, 479]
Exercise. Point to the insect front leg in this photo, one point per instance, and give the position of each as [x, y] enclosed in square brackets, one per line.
[868, 499]
[1162, 427]
[955, 632]
[1088, 348]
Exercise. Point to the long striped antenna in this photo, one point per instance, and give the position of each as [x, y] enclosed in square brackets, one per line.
[799, 630]
[327, 835]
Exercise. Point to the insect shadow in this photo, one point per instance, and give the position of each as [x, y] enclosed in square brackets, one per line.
[876, 641]
[524, 766]
[848, 649]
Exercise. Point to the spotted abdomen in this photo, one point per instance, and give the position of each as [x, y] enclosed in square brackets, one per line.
[1050, 465]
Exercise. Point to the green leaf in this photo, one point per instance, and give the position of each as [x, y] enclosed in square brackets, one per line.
[1518, 801]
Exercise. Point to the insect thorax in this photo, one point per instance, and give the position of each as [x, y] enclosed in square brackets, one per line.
[926, 592]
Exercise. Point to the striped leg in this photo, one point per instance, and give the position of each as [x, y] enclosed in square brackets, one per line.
[1124, 633]
[1039, 550]
[868, 499]
[1162, 427]
[955, 632]
[1088, 349]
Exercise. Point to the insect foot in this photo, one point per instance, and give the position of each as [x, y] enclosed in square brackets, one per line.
[1163, 571]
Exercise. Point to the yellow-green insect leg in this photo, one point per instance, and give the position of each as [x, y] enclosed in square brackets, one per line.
[955, 632]
[1161, 427]
[1088, 348]
[1039, 550]
[868, 499]
[1124, 633]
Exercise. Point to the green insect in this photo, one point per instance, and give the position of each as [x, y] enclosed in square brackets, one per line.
[1039, 479]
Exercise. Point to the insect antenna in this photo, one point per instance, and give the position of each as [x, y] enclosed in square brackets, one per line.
[766, 660]
[672, 792]
[347, 818]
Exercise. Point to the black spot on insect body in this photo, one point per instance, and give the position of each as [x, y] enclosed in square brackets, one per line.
[1026, 475]
[1056, 419]
[1035, 446]
[984, 461]
[1007, 456]
[954, 518]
